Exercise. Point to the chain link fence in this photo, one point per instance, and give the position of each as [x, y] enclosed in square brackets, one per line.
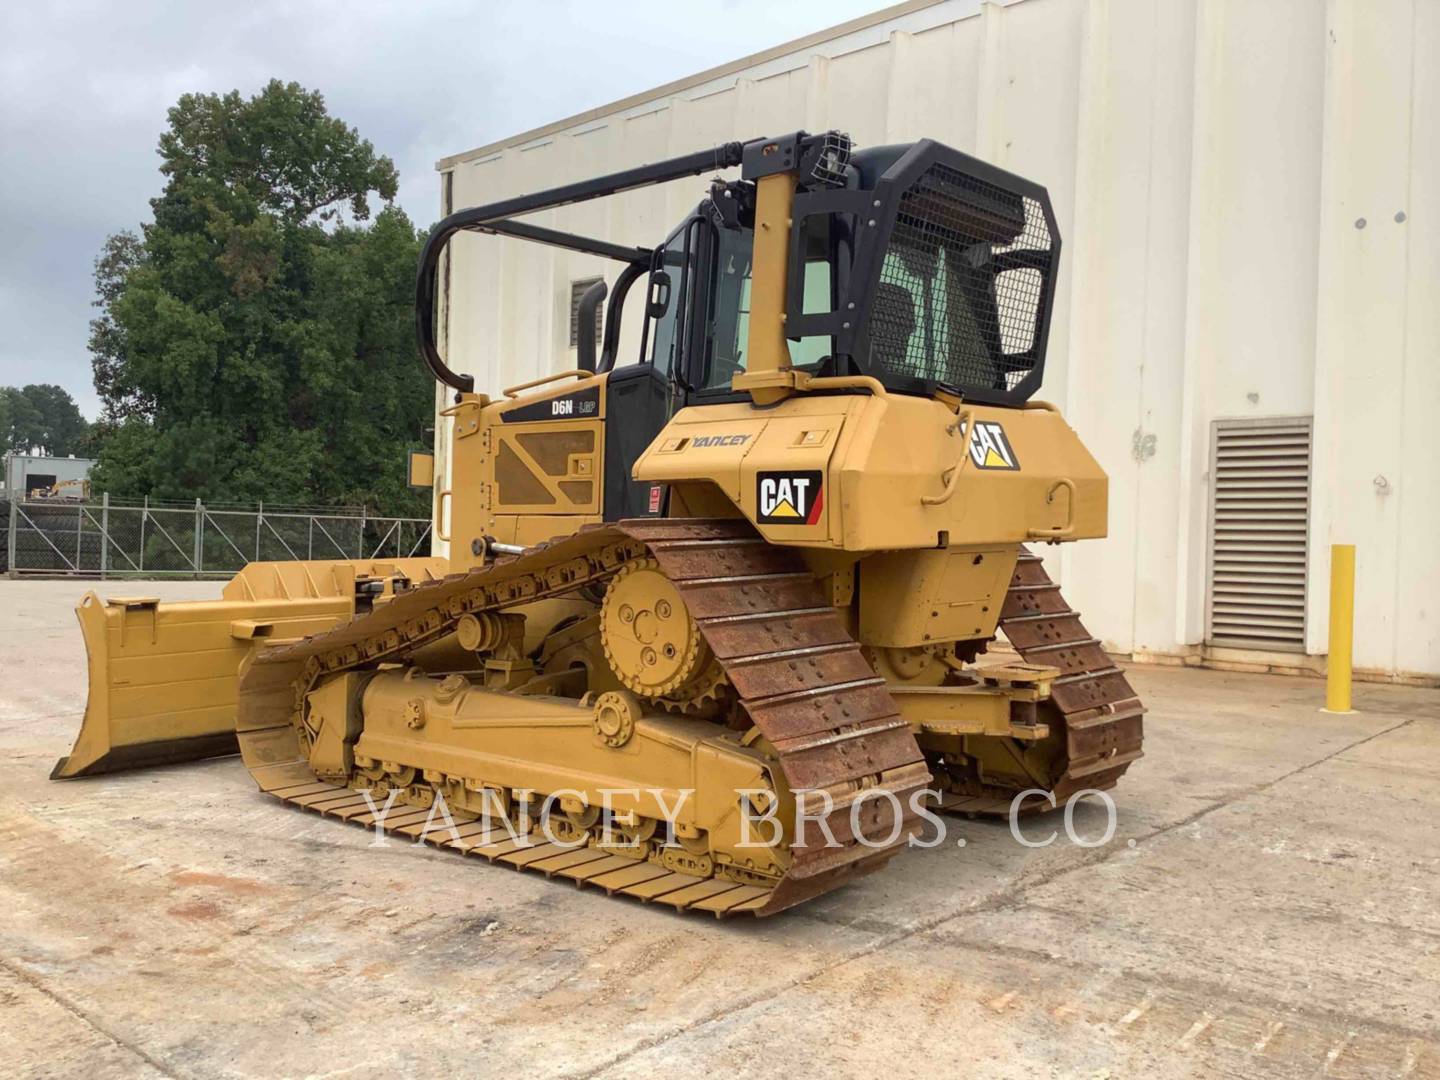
[105, 538]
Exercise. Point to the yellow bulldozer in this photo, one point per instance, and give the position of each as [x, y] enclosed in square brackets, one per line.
[709, 631]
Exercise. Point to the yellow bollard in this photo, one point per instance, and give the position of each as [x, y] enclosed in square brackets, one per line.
[1342, 628]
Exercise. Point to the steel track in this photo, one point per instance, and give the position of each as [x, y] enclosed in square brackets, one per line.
[1091, 702]
[799, 676]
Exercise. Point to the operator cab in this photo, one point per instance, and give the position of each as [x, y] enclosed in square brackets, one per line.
[952, 290]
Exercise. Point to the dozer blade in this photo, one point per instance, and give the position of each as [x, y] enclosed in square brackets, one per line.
[162, 677]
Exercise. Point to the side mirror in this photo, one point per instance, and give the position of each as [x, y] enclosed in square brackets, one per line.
[659, 299]
[589, 328]
[422, 469]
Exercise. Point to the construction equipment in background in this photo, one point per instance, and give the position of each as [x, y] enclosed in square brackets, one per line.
[64, 491]
[757, 564]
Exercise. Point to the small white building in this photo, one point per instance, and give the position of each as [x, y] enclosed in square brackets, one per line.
[28, 473]
[1249, 196]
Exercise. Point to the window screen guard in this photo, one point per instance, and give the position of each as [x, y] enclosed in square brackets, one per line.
[952, 281]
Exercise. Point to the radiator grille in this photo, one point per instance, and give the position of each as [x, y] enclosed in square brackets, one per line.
[1259, 522]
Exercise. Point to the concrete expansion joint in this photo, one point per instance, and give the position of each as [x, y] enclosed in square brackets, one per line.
[36, 984]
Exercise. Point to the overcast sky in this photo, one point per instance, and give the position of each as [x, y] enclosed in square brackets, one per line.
[84, 88]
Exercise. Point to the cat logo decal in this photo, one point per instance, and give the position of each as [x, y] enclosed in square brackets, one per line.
[990, 449]
[791, 497]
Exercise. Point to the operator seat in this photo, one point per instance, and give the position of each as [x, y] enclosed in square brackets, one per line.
[892, 321]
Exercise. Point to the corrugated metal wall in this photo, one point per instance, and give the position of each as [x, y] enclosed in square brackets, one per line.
[1250, 197]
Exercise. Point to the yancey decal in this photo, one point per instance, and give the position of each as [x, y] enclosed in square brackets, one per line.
[719, 440]
[792, 497]
[574, 406]
[990, 449]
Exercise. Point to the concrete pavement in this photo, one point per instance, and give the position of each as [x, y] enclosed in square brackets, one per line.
[1266, 907]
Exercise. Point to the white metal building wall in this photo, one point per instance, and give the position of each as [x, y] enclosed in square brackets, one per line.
[1249, 193]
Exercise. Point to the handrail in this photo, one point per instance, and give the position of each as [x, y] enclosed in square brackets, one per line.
[844, 382]
[441, 535]
[1058, 532]
[512, 391]
[1044, 406]
[961, 426]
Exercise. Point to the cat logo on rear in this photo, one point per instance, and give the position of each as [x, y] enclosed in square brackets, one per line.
[990, 449]
[792, 497]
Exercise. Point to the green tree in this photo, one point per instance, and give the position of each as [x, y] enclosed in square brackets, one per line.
[16, 418]
[41, 417]
[256, 340]
[121, 254]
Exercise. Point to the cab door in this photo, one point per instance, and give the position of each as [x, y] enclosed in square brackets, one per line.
[641, 397]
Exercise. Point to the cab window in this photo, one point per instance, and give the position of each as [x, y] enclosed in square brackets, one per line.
[667, 332]
[730, 304]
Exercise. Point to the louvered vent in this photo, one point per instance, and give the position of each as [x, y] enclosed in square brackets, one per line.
[1259, 521]
[577, 290]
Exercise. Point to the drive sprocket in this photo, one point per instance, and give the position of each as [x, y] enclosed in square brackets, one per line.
[650, 641]
[706, 694]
